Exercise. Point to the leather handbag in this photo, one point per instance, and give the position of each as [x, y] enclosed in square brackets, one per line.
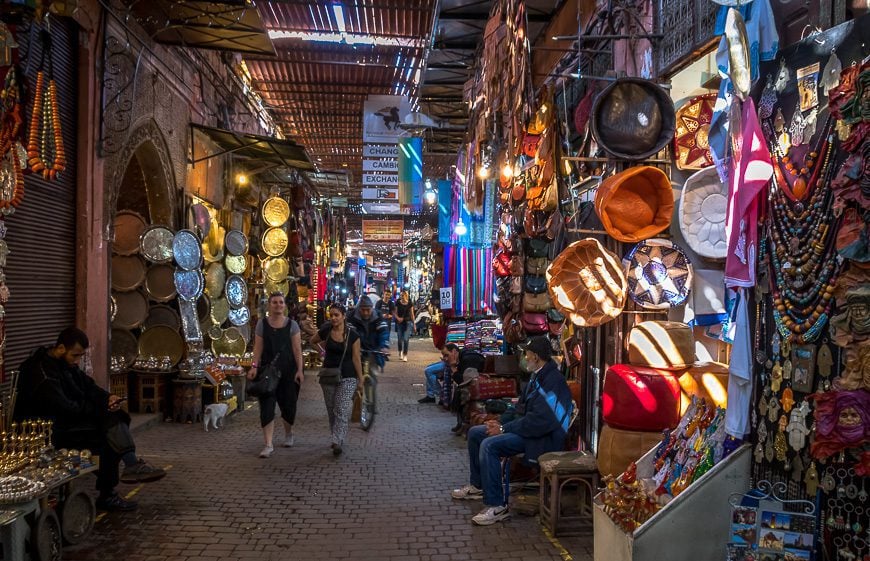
[535, 284]
[516, 286]
[536, 302]
[516, 267]
[555, 321]
[501, 265]
[267, 379]
[534, 323]
[536, 265]
[537, 248]
[332, 376]
[513, 329]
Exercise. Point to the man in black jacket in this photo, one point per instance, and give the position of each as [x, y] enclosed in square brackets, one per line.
[52, 386]
[458, 361]
[545, 408]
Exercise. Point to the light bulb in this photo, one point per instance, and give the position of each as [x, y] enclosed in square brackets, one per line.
[507, 171]
[460, 229]
[483, 172]
[242, 179]
[430, 197]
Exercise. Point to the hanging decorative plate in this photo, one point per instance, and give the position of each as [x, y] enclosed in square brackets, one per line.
[187, 250]
[659, 274]
[129, 226]
[276, 211]
[232, 335]
[215, 333]
[240, 316]
[161, 341]
[124, 346]
[236, 242]
[128, 272]
[188, 284]
[237, 291]
[691, 146]
[275, 242]
[215, 278]
[236, 264]
[223, 346]
[161, 314]
[203, 307]
[276, 269]
[159, 283]
[272, 287]
[220, 309]
[702, 212]
[156, 244]
[199, 220]
[132, 309]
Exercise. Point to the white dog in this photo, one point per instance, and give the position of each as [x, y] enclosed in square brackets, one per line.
[214, 414]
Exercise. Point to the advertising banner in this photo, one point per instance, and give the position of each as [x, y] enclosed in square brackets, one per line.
[390, 231]
[382, 115]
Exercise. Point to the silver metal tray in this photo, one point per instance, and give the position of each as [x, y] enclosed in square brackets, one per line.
[187, 250]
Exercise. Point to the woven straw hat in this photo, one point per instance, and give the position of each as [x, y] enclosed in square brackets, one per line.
[636, 204]
[703, 206]
[587, 283]
[659, 274]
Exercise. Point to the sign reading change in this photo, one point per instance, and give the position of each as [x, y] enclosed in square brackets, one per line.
[380, 151]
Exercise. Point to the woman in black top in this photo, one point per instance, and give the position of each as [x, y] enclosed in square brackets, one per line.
[340, 344]
[404, 323]
[278, 336]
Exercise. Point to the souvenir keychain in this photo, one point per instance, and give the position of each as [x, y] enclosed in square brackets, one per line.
[824, 361]
[797, 427]
[768, 99]
[811, 479]
[782, 77]
[779, 440]
[775, 377]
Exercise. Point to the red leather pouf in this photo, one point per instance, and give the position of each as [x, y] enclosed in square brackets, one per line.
[638, 398]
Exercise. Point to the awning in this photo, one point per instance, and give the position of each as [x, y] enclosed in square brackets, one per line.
[266, 150]
[230, 25]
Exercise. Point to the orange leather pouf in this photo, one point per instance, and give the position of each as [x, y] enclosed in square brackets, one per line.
[618, 448]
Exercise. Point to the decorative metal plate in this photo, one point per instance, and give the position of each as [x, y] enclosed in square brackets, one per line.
[155, 244]
[129, 226]
[276, 269]
[232, 334]
[188, 284]
[124, 346]
[220, 310]
[236, 264]
[236, 242]
[161, 341]
[159, 283]
[245, 331]
[283, 287]
[161, 314]
[215, 278]
[275, 242]
[132, 309]
[237, 291]
[187, 250]
[199, 220]
[276, 211]
[240, 316]
[128, 272]
[215, 333]
[223, 346]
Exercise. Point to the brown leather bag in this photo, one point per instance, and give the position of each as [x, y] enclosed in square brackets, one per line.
[536, 265]
[513, 329]
[536, 302]
[516, 267]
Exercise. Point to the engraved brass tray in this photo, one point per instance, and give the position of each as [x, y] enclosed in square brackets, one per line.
[129, 226]
[159, 282]
[161, 340]
[276, 211]
[155, 244]
[236, 264]
[276, 269]
[161, 314]
[274, 242]
[215, 278]
[237, 291]
[132, 309]
[220, 309]
[128, 272]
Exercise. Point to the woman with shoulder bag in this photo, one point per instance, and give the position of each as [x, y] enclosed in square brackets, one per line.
[405, 323]
[341, 373]
[278, 342]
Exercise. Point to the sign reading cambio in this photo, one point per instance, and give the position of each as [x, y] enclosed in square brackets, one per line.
[389, 231]
[381, 165]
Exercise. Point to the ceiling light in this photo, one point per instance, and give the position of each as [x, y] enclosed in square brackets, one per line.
[339, 17]
[460, 229]
[242, 179]
[483, 171]
[430, 197]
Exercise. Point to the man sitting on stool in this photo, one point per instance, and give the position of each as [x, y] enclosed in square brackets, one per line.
[52, 386]
[545, 409]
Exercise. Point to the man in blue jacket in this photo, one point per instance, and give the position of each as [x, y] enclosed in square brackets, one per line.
[545, 409]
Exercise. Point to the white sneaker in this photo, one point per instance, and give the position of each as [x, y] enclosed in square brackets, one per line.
[467, 492]
[405, 357]
[491, 515]
[266, 452]
[289, 441]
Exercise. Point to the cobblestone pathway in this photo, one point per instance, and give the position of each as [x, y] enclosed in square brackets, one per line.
[386, 498]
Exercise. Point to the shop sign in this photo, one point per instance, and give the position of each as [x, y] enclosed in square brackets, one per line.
[381, 165]
[382, 115]
[390, 231]
[380, 194]
[378, 180]
[446, 298]
[380, 151]
[381, 208]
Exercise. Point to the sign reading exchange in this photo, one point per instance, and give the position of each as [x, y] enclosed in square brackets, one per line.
[379, 180]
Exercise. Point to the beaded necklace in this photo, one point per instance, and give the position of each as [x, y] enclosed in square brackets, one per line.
[11, 172]
[45, 152]
[803, 175]
[804, 267]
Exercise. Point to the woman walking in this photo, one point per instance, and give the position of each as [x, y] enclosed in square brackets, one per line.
[404, 323]
[277, 338]
[341, 347]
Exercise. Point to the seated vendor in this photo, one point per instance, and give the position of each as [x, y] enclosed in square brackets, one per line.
[544, 409]
[434, 373]
[52, 386]
[458, 361]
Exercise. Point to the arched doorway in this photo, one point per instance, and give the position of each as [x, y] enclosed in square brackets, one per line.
[147, 184]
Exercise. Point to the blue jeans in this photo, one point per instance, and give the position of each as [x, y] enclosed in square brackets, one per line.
[434, 372]
[484, 457]
[403, 331]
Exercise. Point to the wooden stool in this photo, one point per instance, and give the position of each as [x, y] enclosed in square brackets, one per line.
[150, 391]
[558, 470]
[187, 401]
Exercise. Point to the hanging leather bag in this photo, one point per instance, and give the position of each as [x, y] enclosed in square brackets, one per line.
[535, 284]
[536, 302]
[513, 329]
[516, 267]
[536, 265]
[516, 286]
[534, 323]
[537, 248]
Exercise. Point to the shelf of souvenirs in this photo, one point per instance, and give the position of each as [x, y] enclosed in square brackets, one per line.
[30, 466]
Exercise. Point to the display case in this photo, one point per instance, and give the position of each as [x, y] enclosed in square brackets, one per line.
[693, 526]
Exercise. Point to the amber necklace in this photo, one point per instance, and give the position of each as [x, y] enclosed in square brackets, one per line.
[803, 175]
[45, 152]
[11, 173]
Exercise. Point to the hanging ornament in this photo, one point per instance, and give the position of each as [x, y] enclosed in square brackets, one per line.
[831, 73]
[45, 152]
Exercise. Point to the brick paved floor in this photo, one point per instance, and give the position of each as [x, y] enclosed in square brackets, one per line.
[386, 498]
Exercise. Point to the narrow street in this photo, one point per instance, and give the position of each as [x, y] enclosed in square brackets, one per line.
[387, 497]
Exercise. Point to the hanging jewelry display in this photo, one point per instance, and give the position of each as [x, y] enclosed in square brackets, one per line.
[45, 152]
[11, 165]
